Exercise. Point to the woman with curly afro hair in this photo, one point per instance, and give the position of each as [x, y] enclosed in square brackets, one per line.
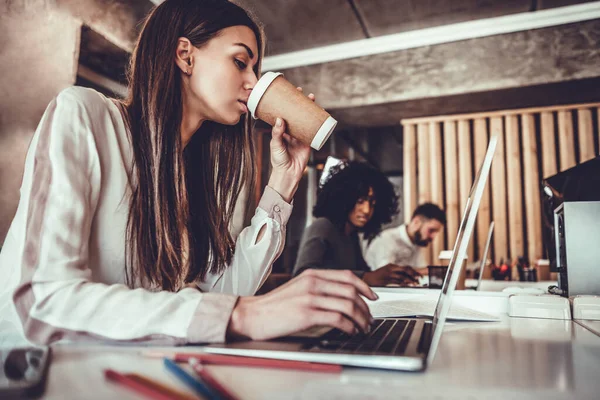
[355, 198]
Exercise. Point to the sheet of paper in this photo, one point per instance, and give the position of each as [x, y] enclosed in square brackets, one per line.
[425, 307]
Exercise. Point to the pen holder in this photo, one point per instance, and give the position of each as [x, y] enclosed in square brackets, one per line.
[437, 274]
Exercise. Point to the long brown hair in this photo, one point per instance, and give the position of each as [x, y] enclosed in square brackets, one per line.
[182, 201]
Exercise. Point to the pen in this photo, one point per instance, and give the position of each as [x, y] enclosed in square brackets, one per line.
[210, 380]
[195, 384]
[134, 385]
[248, 361]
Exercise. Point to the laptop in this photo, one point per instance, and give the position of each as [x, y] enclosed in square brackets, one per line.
[404, 344]
[484, 255]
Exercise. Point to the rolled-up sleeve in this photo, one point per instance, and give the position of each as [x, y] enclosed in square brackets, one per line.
[253, 258]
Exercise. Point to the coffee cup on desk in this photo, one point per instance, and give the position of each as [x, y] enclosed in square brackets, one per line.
[273, 96]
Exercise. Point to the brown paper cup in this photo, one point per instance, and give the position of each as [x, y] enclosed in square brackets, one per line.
[273, 96]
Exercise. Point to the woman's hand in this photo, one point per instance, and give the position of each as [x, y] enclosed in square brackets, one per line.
[288, 158]
[391, 273]
[314, 298]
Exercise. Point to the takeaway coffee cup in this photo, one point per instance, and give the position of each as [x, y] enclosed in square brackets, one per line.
[273, 96]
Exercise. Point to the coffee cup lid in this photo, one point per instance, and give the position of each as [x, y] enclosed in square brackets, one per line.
[259, 89]
[323, 133]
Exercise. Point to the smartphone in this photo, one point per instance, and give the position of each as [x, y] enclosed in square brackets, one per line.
[23, 372]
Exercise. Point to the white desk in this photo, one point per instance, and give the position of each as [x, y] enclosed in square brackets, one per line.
[592, 325]
[512, 359]
[498, 286]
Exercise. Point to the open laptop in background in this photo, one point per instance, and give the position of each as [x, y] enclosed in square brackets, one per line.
[484, 255]
[407, 344]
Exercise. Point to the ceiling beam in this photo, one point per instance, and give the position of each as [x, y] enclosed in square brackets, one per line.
[515, 60]
[569, 92]
[434, 36]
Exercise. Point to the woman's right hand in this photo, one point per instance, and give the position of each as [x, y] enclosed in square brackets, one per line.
[314, 298]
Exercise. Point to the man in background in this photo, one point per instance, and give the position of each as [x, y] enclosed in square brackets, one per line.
[402, 245]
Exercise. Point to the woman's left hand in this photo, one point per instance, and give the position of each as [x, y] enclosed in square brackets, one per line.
[289, 157]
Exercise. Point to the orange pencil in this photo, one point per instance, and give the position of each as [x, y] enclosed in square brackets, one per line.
[171, 392]
[135, 385]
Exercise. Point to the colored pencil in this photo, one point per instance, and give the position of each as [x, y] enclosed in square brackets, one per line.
[207, 377]
[257, 362]
[160, 387]
[195, 384]
[134, 385]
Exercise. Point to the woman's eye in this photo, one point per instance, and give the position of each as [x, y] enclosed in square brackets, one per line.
[240, 64]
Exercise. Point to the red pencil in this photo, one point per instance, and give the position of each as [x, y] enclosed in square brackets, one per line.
[241, 361]
[134, 385]
[210, 380]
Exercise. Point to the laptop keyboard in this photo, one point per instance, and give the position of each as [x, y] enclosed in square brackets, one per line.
[387, 336]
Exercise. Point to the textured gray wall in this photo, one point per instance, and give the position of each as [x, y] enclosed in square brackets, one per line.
[39, 46]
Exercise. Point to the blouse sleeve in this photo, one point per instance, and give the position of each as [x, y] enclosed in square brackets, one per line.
[56, 297]
[253, 258]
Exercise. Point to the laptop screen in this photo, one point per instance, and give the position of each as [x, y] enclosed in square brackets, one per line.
[484, 255]
[465, 231]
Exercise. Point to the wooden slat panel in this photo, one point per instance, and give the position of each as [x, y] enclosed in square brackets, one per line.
[549, 164]
[410, 171]
[566, 140]
[437, 189]
[514, 188]
[498, 191]
[451, 186]
[465, 175]
[480, 138]
[424, 173]
[532, 191]
[586, 135]
[513, 178]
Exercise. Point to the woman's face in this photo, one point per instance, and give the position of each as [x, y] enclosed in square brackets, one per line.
[221, 76]
[363, 210]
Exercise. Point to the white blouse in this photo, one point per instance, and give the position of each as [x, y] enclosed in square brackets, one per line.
[63, 260]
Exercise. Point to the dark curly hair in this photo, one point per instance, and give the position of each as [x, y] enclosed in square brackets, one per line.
[348, 182]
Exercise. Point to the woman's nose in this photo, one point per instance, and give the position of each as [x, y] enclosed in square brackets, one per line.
[366, 207]
[251, 81]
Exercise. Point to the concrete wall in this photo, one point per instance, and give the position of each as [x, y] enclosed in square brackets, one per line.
[39, 46]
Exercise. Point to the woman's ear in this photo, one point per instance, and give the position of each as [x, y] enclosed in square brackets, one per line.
[183, 55]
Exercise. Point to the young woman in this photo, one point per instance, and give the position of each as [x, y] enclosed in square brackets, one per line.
[355, 198]
[122, 230]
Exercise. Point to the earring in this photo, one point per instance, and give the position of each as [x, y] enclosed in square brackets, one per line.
[187, 71]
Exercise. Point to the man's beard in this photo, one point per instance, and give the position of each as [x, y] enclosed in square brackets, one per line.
[419, 241]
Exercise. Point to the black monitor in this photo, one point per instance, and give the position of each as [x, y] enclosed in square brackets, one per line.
[580, 183]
